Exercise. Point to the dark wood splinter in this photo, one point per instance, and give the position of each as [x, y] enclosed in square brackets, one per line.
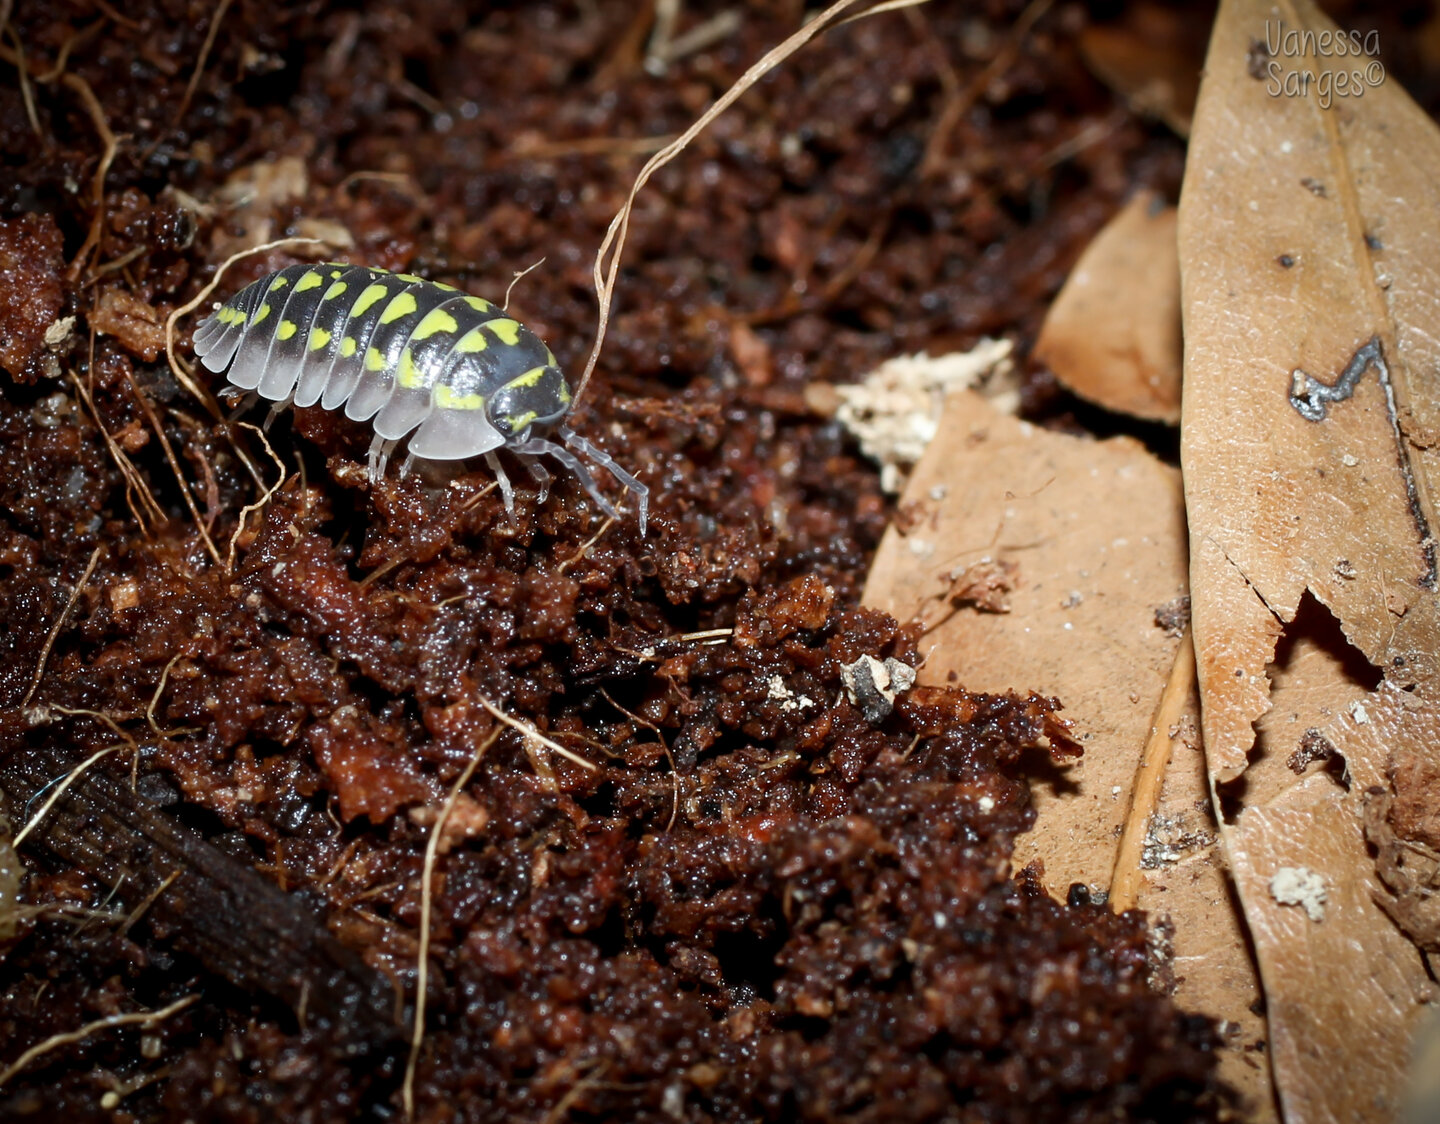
[207, 903]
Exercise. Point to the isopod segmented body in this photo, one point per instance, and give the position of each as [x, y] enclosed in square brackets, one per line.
[451, 371]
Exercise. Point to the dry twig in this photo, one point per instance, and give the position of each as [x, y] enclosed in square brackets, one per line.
[1125, 881]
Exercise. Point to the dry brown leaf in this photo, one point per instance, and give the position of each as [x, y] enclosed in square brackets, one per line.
[1113, 334]
[1088, 539]
[1150, 59]
[1308, 230]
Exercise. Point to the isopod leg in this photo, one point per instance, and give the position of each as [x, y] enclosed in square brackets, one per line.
[506, 488]
[378, 458]
[275, 411]
[606, 461]
[541, 476]
[538, 445]
[247, 399]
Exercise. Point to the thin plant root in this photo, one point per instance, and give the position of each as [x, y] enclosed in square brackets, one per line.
[59, 624]
[258, 504]
[56, 1041]
[669, 757]
[607, 263]
[422, 968]
[112, 146]
[220, 10]
[185, 492]
[135, 485]
[70, 778]
[516, 280]
[530, 732]
[586, 545]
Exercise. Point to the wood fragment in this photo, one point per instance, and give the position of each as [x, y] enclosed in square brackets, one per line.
[1145, 793]
[217, 908]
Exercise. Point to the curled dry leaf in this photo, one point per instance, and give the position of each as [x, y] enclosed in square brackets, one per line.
[1310, 256]
[1151, 59]
[1113, 334]
[1085, 540]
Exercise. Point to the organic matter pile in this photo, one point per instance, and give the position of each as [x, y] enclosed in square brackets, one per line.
[761, 901]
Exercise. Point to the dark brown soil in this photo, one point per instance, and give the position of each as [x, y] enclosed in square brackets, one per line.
[758, 906]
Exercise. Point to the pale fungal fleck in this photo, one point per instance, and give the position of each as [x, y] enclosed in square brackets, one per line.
[787, 698]
[895, 411]
[1299, 885]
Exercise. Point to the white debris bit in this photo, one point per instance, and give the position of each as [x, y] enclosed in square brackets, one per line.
[895, 412]
[1359, 713]
[1299, 885]
[872, 685]
[787, 698]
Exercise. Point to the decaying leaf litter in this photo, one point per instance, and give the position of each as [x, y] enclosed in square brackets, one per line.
[360, 699]
[1341, 1019]
[1311, 513]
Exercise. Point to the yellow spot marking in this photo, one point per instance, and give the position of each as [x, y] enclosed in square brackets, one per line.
[436, 320]
[442, 285]
[410, 278]
[264, 312]
[372, 294]
[505, 329]
[550, 358]
[278, 284]
[479, 305]
[334, 291]
[319, 339]
[528, 379]
[409, 375]
[447, 399]
[287, 329]
[311, 280]
[520, 421]
[347, 347]
[564, 393]
[402, 305]
[374, 361]
[471, 342]
[334, 273]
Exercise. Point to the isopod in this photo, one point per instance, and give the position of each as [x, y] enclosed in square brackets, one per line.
[422, 359]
